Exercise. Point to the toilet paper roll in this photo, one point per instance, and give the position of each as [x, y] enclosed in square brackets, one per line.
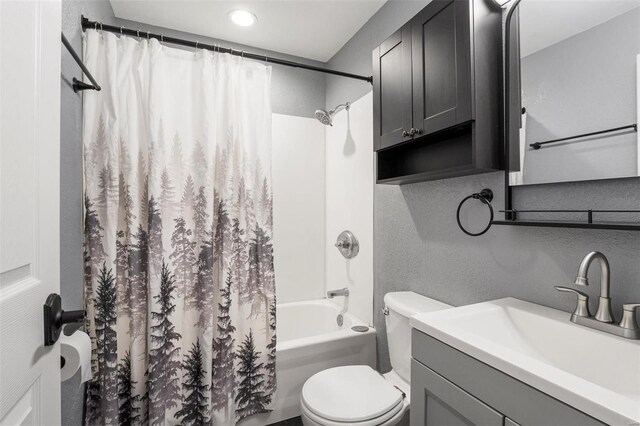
[75, 353]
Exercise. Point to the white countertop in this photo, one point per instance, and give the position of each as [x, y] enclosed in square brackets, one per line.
[594, 372]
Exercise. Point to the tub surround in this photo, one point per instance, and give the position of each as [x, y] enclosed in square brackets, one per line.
[299, 199]
[349, 203]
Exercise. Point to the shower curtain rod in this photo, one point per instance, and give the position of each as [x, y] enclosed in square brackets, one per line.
[86, 23]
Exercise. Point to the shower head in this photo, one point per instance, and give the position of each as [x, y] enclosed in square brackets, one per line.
[326, 117]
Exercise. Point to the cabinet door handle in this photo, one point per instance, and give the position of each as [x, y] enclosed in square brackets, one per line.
[417, 131]
[405, 134]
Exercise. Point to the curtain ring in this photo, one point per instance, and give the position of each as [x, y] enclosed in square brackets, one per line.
[162, 39]
[138, 32]
[95, 26]
[196, 51]
[242, 54]
[121, 28]
[148, 38]
[100, 28]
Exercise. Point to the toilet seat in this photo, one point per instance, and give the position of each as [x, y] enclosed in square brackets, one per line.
[351, 395]
[391, 418]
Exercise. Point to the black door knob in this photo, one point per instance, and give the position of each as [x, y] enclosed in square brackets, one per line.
[55, 318]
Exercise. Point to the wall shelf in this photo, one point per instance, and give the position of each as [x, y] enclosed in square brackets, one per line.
[620, 226]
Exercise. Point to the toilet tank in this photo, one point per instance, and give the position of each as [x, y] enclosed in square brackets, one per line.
[399, 307]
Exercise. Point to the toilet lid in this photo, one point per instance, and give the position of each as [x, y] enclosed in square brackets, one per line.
[354, 393]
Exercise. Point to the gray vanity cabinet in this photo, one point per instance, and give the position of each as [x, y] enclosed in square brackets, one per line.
[437, 401]
[449, 387]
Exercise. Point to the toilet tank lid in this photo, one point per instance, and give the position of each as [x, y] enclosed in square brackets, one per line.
[408, 303]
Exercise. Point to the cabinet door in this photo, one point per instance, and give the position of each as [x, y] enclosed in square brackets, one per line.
[392, 89]
[435, 401]
[441, 44]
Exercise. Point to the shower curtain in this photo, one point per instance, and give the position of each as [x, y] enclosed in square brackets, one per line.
[179, 278]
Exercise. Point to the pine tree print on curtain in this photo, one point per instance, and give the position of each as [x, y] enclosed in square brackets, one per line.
[178, 227]
[195, 407]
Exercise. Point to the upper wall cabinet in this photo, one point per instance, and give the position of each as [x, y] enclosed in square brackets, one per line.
[441, 66]
[437, 89]
[392, 74]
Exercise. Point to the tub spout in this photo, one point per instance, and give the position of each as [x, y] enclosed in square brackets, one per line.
[340, 292]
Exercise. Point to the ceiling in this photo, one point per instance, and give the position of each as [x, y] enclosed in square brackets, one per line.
[545, 22]
[314, 29]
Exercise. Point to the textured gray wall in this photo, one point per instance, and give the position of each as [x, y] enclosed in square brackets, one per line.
[294, 92]
[582, 84]
[419, 247]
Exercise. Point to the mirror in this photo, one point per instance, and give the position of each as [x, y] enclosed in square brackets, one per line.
[578, 84]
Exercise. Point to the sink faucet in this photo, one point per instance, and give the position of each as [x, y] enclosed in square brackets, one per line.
[604, 312]
[340, 292]
[603, 319]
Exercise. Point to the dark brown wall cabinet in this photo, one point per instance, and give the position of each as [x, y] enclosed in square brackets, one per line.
[437, 89]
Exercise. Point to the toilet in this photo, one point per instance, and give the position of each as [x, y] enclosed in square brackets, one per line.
[357, 394]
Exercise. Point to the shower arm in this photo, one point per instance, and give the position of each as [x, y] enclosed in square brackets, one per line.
[340, 107]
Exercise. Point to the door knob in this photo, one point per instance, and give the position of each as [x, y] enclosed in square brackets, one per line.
[55, 318]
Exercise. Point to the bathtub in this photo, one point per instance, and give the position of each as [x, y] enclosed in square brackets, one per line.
[309, 341]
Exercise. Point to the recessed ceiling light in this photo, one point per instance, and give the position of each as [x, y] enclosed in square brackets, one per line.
[242, 18]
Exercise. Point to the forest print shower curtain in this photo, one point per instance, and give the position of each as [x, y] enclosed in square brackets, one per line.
[179, 278]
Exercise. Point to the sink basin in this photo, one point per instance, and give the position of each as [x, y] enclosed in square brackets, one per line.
[592, 371]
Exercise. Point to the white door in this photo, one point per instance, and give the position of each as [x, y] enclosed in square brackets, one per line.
[29, 208]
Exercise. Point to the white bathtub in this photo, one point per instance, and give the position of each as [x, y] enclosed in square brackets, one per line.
[309, 341]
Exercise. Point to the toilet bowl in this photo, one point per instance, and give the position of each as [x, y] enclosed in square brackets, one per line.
[357, 395]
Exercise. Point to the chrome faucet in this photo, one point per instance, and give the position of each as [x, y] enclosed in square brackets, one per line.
[603, 319]
[604, 312]
[340, 292]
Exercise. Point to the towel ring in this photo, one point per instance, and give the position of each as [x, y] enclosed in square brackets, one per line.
[485, 196]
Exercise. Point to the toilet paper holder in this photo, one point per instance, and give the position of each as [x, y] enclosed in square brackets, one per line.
[55, 318]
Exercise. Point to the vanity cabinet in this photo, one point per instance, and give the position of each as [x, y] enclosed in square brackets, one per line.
[436, 94]
[449, 387]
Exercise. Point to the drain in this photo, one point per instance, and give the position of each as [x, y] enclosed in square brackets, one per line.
[360, 328]
[340, 320]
